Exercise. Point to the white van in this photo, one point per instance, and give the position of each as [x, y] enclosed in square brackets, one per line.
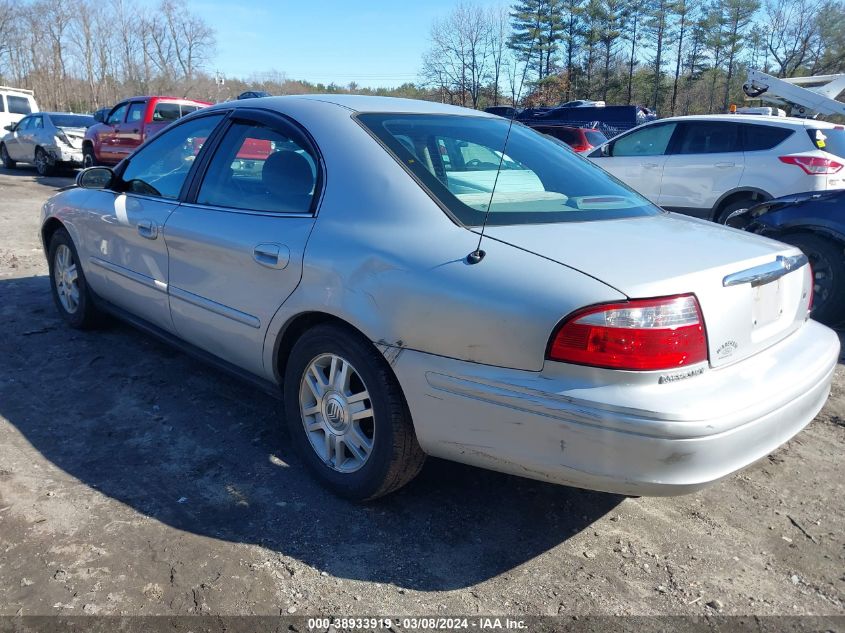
[15, 104]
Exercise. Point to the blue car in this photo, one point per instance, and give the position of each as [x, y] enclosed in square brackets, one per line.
[815, 223]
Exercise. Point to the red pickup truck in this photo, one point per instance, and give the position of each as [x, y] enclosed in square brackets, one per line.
[130, 123]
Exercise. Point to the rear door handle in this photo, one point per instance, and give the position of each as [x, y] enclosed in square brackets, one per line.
[148, 229]
[271, 255]
[651, 165]
[723, 165]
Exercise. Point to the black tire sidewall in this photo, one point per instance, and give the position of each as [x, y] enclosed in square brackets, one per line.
[87, 152]
[385, 398]
[46, 170]
[84, 314]
[723, 214]
[8, 163]
[833, 311]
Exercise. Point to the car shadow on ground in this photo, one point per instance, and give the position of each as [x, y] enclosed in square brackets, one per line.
[188, 446]
[62, 177]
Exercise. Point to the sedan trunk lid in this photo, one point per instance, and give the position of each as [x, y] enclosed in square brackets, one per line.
[666, 255]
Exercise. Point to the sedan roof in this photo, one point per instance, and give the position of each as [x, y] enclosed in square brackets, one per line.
[366, 103]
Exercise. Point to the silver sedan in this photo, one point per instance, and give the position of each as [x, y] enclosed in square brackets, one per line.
[417, 279]
[48, 140]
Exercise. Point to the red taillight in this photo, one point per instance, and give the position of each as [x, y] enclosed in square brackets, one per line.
[814, 165]
[638, 335]
[581, 147]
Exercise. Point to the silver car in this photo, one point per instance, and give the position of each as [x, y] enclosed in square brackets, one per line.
[48, 140]
[330, 249]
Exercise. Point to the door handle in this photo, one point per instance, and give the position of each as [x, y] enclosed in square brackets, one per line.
[148, 229]
[651, 165]
[271, 255]
[724, 165]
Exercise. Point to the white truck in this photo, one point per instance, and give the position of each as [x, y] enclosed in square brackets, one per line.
[15, 104]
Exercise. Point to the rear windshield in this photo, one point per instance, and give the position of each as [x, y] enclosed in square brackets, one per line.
[830, 140]
[456, 158]
[171, 111]
[72, 120]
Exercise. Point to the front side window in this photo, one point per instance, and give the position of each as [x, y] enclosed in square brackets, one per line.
[652, 140]
[161, 167]
[456, 158]
[24, 124]
[117, 115]
[136, 112]
[258, 168]
[19, 105]
[709, 137]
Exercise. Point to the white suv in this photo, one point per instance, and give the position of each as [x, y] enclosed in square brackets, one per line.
[15, 104]
[709, 166]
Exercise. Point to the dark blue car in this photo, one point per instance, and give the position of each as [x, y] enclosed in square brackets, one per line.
[815, 223]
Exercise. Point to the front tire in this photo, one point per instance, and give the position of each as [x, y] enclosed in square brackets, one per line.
[69, 287]
[347, 416]
[827, 259]
[42, 163]
[88, 158]
[8, 163]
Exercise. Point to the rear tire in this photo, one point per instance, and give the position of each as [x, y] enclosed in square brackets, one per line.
[740, 222]
[360, 439]
[42, 163]
[827, 258]
[69, 287]
[8, 163]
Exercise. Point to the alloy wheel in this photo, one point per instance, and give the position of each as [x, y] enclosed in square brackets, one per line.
[337, 413]
[66, 277]
[41, 162]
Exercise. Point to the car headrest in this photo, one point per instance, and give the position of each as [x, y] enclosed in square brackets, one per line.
[287, 173]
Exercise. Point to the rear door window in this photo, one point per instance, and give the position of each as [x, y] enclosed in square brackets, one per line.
[169, 111]
[19, 105]
[648, 141]
[763, 137]
[709, 137]
[258, 168]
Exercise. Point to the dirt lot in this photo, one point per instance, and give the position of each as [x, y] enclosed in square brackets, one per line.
[134, 480]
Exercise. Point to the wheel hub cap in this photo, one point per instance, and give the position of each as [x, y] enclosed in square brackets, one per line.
[337, 413]
[66, 277]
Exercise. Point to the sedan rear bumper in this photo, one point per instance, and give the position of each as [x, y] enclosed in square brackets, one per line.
[621, 433]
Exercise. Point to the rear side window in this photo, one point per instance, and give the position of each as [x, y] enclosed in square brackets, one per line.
[19, 105]
[762, 137]
[830, 140]
[648, 141]
[567, 136]
[595, 138]
[456, 159]
[709, 137]
[165, 111]
[258, 168]
[136, 112]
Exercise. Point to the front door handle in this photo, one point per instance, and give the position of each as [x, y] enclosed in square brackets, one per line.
[651, 165]
[271, 255]
[148, 229]
[724, 165]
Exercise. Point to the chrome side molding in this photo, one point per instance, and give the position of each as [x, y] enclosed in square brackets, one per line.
[765, 273]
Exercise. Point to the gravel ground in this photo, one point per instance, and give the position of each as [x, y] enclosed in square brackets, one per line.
[134, 480]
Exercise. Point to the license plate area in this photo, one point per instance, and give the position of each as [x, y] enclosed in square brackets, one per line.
[767, 306]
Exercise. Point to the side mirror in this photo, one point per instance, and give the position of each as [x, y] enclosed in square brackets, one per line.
[11, 127]
[95, 178]
[607, 149]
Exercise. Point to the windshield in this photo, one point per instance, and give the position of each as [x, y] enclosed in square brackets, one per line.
[72, 120]
[457, 158]
[829, 139]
